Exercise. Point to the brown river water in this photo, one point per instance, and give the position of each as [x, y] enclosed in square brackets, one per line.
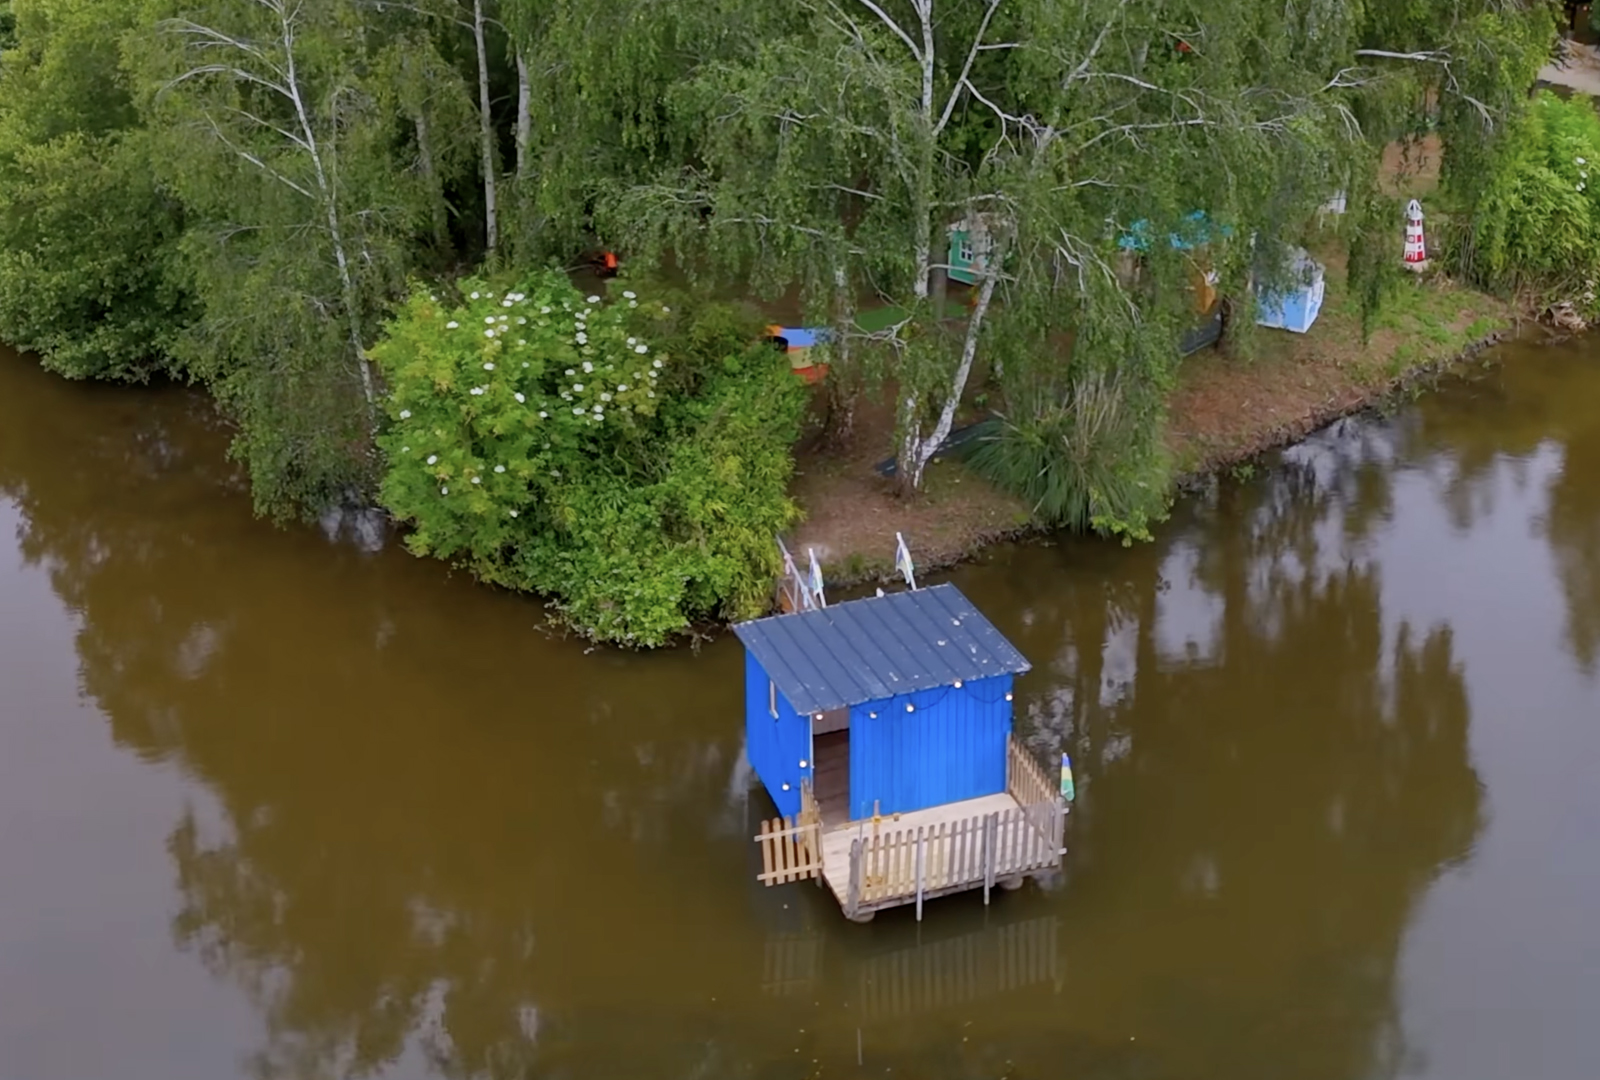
[293, 804]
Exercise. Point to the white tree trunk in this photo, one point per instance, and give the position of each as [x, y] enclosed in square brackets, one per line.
[524, 117]
[330, 204]
[924, 234]
[916, 452]
[280, 75]
[491, 212]
[923, 244]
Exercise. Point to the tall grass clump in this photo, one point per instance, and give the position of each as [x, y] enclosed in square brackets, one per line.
[1536, 228]
[1082, 455]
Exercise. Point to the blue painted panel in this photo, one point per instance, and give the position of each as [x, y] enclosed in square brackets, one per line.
[950, 746]
[803, 337]
[775, 746]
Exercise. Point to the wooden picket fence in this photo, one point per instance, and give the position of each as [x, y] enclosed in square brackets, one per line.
[791, 848]
[895, 866]
[1026, 780]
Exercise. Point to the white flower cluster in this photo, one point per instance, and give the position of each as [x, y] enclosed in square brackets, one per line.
[595, 372]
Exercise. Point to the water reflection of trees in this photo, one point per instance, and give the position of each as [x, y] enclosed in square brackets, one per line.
[1572, 526]
[1529, 417]
[418, 801]
[1258, 822]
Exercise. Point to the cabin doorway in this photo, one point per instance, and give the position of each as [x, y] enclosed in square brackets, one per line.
[830, 743]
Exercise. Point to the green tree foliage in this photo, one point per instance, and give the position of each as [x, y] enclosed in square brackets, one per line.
[843, 138]
[628, 461]
[89, 266]
[301, 226]
[1538, 222]
[237, 191]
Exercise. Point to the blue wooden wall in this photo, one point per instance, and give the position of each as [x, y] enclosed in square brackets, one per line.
[951, 746]
[775, 746]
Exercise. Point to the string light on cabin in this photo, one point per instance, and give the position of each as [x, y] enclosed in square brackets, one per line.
[958, 684]
[910, 707]
[1008, 695]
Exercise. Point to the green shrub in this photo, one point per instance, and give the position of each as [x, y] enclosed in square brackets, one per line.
[1537, 224]
[627, 461]
[1083, 456]
[89, 268]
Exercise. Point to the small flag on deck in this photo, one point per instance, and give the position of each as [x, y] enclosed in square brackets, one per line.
[902, 560]
[816, 579]
[1068, 790]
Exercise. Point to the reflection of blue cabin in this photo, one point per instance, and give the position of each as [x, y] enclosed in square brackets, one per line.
[895, 703]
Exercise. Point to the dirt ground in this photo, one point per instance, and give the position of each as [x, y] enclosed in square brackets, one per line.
[1227, 408]
[1412, 168]
[853, 513]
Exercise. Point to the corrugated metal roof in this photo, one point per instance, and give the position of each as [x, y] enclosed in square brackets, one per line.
[867, 650]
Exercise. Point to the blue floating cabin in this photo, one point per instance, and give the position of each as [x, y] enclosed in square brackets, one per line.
[882, 730]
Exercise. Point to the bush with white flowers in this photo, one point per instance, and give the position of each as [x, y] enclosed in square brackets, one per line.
[629, 462]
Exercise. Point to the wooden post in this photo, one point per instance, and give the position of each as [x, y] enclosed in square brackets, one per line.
[853, 896]
[919, 874]
[991, 826]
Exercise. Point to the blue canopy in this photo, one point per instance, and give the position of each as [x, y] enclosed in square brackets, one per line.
[800, 337]
[1196, 232]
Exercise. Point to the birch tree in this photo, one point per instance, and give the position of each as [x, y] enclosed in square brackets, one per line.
[862, 131]
[843, 138]
[476, 20]
[527, 28]
[430, 94]
[490, 156]
[301, 214]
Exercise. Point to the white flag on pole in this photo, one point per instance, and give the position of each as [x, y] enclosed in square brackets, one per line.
[902, 560]
[816, 579]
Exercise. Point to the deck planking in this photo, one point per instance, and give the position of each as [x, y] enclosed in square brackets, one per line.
[836, 839]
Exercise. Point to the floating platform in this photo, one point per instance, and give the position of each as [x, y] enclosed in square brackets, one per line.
[881, 728]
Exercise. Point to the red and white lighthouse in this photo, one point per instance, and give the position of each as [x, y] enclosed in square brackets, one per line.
[1416, 253]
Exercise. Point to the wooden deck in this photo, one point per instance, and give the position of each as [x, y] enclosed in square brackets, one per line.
[836, 841]
[972, 844]
[901, 859]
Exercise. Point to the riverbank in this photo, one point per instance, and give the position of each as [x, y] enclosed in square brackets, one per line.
[1226, 409]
